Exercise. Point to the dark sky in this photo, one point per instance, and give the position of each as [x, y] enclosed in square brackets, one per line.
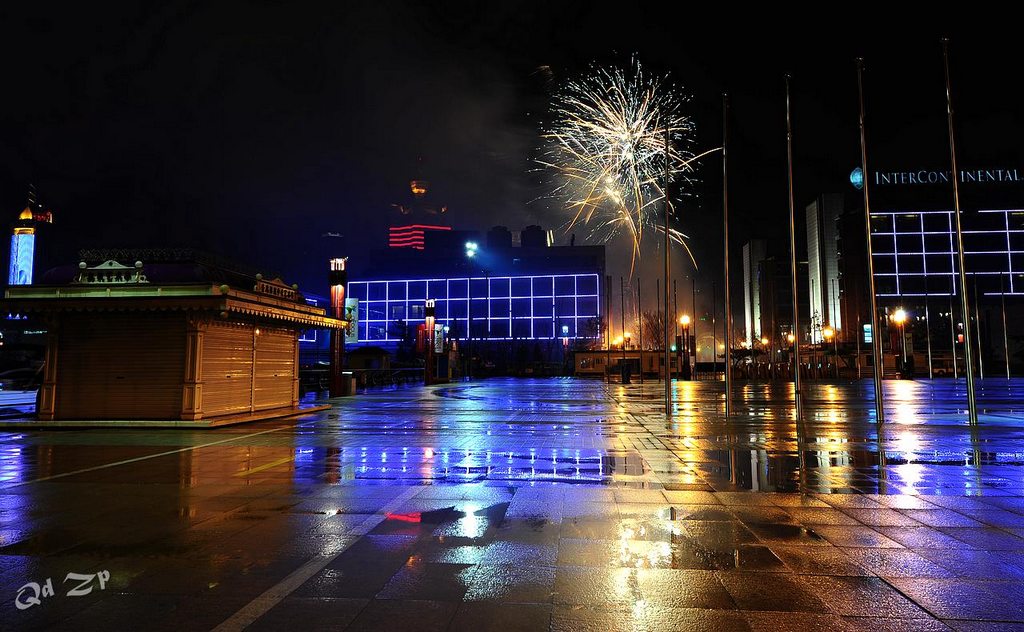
[251, 129]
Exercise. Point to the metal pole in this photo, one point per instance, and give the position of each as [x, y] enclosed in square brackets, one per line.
[640, 330]
[928, 330]
[725, 230]
[693, 290]
[469, 326]
[675, 306]
[686, 338]
[668, 273]
[857, 336]
[686, 353]
[1006, 345]
[972, 405]
[835, 332]
[622, 316]
[792, 259]
[903, 343]
[977, 325]
[714, 330]
[811, 327]
[835, 351]
[608, 328]
[952, 327]
[876, 340]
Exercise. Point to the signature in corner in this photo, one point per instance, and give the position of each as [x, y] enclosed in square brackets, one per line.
[33, 593]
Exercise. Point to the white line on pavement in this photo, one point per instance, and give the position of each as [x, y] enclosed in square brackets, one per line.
[275, 594]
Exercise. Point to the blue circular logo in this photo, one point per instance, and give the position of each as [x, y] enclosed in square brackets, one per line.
[857, 178]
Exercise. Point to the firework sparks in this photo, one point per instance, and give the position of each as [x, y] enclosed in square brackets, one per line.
[607, 143]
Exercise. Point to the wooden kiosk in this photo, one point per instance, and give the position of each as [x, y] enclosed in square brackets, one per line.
[180, 337]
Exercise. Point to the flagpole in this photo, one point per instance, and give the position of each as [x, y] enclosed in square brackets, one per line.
[668, 365]
[725, 231]
[792, 260]
[876, 338]
[972, 406]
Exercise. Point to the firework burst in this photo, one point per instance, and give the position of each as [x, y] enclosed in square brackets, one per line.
[607, 145]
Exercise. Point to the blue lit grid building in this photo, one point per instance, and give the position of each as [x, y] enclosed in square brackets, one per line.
[915, 252]
[523, 307]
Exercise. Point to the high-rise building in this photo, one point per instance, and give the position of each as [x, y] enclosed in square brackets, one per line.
[916, 261]
[776, 299]
[754, 252]
[823, 265]
[854, 303]
[23, 240]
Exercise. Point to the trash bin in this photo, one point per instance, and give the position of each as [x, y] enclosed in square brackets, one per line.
[348, 383]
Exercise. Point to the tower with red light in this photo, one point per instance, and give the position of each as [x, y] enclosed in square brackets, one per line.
[419, 215]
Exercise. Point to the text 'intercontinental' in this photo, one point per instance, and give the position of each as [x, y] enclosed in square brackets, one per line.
[938, 177]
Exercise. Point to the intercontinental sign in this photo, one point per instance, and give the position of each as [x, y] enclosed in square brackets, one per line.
[924, 176]
[938, 177]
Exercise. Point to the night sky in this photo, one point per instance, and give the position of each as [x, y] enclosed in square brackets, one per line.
[252, 129]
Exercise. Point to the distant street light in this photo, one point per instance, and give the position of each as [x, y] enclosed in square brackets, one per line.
[684, 320]
[830, 334]
[900, 317]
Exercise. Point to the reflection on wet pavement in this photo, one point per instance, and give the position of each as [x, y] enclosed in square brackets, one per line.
[535, 504]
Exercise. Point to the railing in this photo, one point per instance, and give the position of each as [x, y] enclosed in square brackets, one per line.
[312, 380]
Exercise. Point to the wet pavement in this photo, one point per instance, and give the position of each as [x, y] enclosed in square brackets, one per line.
[531, 505]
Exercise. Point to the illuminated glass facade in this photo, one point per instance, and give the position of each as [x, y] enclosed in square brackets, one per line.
[915, 252]
[22, 252]
[531, 307]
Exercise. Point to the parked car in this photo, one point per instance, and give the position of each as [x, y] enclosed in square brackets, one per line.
[27, 379]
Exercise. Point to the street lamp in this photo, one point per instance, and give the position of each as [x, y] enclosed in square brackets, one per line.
[471, 248]
[829, 334]
[684, 320]
[428, 364]
[767, 354]
[338, 280]
[900, 317]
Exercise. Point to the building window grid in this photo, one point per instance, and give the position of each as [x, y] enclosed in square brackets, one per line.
[895, 256]
[1009, 252]
[376, 324]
